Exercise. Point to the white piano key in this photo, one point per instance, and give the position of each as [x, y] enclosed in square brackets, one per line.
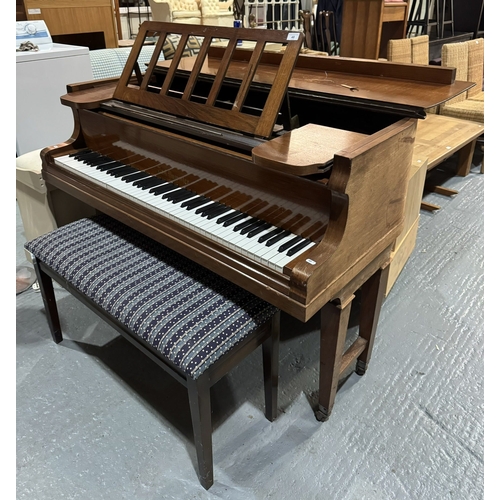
[280, 262]
[224, 235]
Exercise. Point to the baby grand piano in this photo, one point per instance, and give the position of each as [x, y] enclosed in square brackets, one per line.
[285, 174]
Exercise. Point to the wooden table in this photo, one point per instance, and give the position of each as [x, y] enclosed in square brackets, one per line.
[439, 137]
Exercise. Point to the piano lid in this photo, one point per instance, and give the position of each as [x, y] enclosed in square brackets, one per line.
[186, 102]
[403, 89]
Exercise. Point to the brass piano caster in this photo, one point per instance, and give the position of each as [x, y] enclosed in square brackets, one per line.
[361, 367]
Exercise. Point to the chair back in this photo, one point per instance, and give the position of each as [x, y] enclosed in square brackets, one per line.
[399, 50]
[414, 50]
[160, 10]
[475, 66]
[456, 55]
[420, 49]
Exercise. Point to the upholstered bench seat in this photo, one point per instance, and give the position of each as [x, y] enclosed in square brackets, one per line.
[190, 319]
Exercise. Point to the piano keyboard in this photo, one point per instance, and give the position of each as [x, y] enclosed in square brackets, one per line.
[256, 239]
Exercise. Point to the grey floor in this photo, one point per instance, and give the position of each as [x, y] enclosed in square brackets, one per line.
[97, 420]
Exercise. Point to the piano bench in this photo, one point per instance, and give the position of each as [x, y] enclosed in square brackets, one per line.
[190, 321]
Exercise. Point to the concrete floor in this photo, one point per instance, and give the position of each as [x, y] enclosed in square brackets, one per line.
[98, 420]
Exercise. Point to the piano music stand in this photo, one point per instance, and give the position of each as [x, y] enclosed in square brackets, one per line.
[235, 118]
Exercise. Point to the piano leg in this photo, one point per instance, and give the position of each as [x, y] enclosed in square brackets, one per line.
[372, 296]
[334, 322]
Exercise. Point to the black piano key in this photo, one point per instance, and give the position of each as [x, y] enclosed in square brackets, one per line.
[136, 176]
[88, 158]
[289, 244]
[164, 188]
[103, 163]
[90, 154]
[244, 224]
[120, 172]
[298, 247]
[178, 194]
[258, 230]
[82, 151]
[99, 160]
[228, 217]
[185, 196]
[270, 234]
[109, 166]
[204, 210]
[191, 204]
[252, 226]
[221, 210]
[149, 182]
[278, 237]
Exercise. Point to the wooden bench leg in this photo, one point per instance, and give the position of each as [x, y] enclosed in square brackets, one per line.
[49, 301]
[334, 322]
[372, 296]
[465, 155]
[199, 403]
[270, 355]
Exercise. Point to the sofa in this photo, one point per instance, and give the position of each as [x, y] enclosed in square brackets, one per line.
[206, 12]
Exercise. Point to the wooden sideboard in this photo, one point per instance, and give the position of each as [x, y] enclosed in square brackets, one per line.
[69, 17]
[367, 26]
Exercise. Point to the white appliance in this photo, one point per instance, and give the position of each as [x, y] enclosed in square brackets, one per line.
[41, 79]
[35, 32]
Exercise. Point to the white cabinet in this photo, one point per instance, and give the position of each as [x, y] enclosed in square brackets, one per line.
[41, 79]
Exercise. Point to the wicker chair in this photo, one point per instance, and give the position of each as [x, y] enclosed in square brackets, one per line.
[414, 50]
[468, 58]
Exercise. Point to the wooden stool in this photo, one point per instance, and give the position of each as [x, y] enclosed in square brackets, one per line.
[190, 321]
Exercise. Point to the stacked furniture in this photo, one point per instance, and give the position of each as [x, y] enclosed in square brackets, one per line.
[445, 133]
[438, 137]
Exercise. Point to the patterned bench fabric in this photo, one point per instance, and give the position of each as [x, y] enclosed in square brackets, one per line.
[189, 314]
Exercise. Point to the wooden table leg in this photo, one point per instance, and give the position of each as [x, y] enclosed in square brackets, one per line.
[334, 322]
[465, 158]
[372, 296]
